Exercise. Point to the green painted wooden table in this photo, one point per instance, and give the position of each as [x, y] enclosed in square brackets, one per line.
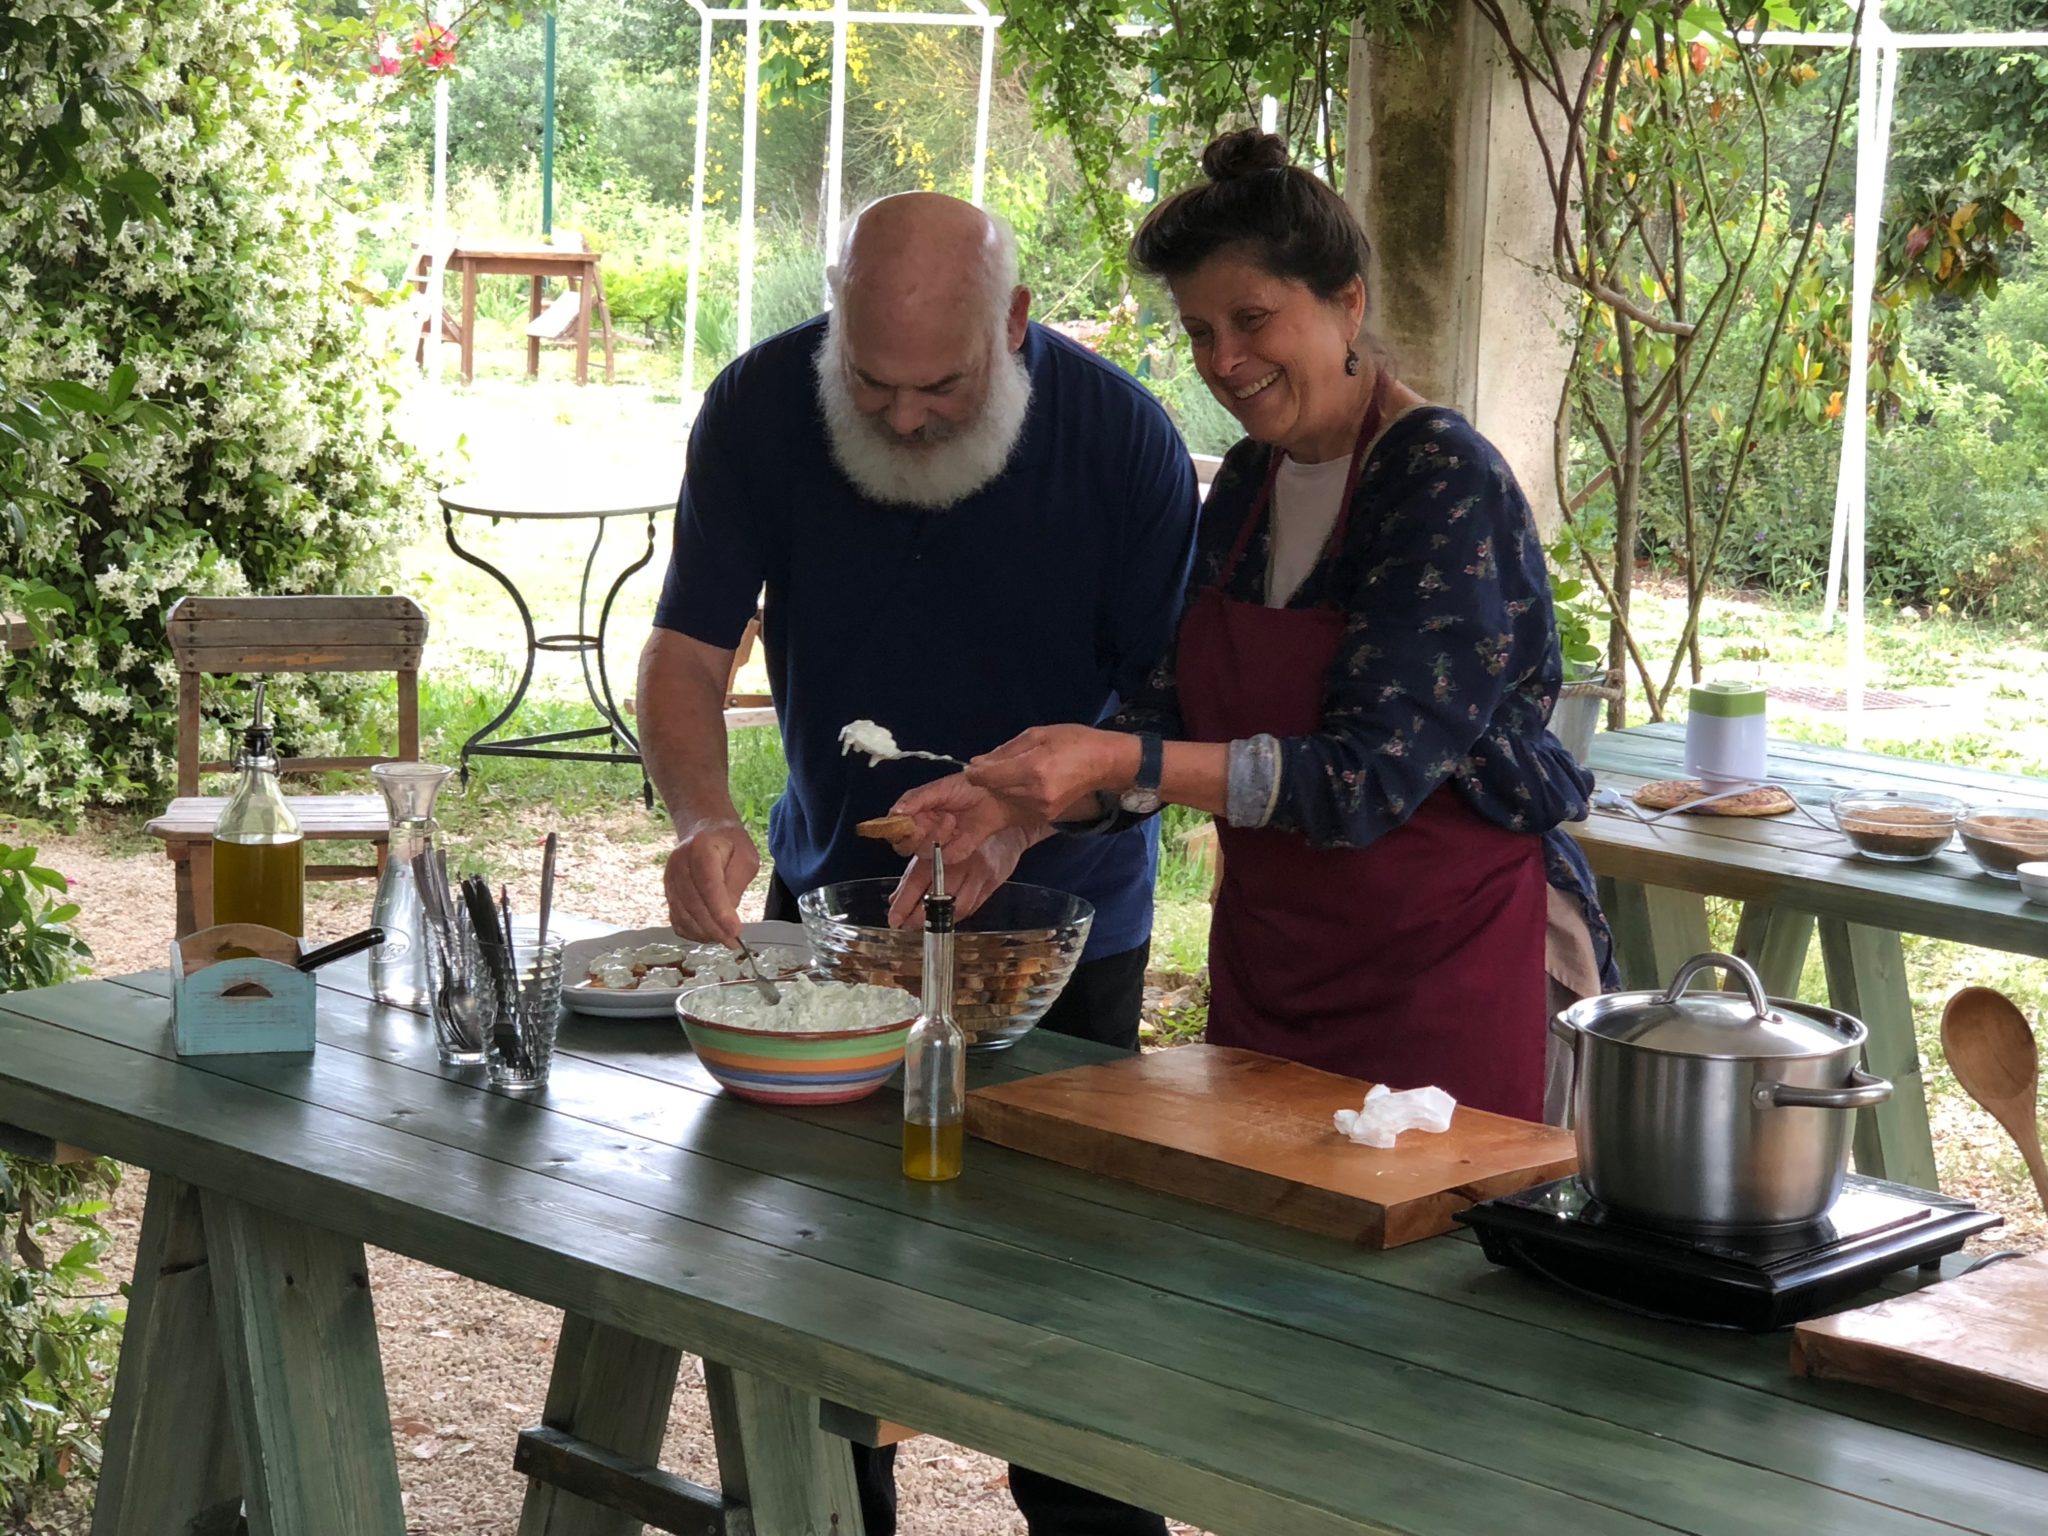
[1249, 1379]
[1793, 876]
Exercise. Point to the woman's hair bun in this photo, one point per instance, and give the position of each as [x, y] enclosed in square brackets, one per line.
[1242, 153]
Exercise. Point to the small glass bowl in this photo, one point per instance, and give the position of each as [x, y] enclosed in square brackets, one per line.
[1896, 826]
[2003, 837]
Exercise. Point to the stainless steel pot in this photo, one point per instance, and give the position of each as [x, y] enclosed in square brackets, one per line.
[1714, 1111]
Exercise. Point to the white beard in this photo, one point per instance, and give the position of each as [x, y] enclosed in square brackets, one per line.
[952, 462]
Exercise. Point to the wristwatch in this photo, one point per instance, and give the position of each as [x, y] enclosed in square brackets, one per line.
[1142, 798]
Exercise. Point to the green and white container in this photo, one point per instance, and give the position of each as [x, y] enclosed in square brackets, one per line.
[1724, 735]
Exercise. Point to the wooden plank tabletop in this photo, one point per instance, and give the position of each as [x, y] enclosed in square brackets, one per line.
[1241, 1376]
[1791, 861]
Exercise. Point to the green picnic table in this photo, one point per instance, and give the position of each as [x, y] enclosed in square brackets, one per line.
[1792, 877]
[1249, 1379]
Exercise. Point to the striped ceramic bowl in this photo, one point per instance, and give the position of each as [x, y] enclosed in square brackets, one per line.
[789, 1067]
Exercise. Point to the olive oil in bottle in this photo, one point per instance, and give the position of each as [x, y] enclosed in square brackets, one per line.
[935, 1059]
[259, 853]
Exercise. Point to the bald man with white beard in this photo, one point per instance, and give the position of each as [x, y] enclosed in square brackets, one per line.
[965, 525]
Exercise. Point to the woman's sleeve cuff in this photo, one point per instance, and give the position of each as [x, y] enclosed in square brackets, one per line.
[1253, 788]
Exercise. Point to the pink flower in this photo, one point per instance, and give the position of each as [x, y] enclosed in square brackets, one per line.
[436, 43]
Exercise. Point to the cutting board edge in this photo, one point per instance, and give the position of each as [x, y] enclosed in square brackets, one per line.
[1822, 1356]
[1258, 1194]
[1246, 1191]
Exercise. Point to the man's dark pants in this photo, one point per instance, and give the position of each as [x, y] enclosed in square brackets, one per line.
[1101, 1003]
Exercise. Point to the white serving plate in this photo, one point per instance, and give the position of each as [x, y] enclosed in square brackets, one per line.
[781, 946]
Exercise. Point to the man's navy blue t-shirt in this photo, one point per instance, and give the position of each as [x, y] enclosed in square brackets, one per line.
[1038, 600]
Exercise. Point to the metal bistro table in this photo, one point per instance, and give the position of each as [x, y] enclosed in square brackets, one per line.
[1792, 877]
[557, 505]
[1252, 1380]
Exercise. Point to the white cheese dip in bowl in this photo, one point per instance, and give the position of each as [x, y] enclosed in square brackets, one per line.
[826, 1042]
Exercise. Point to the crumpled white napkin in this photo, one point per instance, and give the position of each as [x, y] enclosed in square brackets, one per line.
[1386, 1114]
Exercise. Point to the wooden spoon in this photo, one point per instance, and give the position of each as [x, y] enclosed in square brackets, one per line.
[1991, 1049]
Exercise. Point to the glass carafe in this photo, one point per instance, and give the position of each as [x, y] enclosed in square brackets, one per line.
[398, 966]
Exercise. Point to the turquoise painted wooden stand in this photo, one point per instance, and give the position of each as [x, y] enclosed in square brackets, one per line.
[245, 1005]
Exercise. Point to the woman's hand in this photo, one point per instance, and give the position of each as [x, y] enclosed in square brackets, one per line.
[1042, 774]
[954, 814]
[971, 879]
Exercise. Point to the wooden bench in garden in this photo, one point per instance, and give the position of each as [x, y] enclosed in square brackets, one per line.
[226, 636]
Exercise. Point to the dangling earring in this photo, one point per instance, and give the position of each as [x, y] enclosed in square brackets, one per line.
[1351, 361]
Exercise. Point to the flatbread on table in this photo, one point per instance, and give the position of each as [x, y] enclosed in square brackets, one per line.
[1677, 795]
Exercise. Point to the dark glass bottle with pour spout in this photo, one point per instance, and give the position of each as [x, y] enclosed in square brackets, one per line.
[259, 852]
[935, 1057]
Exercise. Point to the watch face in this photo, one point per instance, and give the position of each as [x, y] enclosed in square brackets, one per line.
[1139, 802]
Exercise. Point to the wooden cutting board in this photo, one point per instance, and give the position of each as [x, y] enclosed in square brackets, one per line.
[1977, 1344]
[1254, 1134]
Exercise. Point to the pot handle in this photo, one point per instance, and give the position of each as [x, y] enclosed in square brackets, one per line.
[1860, 1092]
[1735, 966]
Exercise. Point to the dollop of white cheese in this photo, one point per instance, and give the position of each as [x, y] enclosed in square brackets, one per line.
[808, 1006]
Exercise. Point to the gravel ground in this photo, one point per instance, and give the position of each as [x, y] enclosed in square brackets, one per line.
[466, 1366]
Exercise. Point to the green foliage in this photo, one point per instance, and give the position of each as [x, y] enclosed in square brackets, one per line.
[1970, 131]
[56, 1356]
[757, 775]
[234, 313]
[653, 299]
[58, 1334]
[1581, 621]
[41, 418]
[37, 946]
[1957, 519]
[1686, 252]
[1137, 105]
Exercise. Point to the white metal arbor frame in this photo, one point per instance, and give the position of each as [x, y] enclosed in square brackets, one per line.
[753, 15]
[1878, 48]
[839, 17]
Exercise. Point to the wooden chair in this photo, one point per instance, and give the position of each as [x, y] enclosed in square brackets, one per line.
[231, 636]
[415, 321]
[743, 709]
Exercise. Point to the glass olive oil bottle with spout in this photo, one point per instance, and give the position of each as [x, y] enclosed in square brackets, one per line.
[935, 1057]
[259, 852]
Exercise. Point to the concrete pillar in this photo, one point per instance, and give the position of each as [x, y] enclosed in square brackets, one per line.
[1443, 171]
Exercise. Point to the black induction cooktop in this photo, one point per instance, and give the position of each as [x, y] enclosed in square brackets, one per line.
[1756, 1281]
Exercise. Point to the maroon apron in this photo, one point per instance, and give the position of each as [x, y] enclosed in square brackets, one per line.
[1417, 960]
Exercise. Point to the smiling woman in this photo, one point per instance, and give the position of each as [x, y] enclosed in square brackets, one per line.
[1360, 688]
[1267, 266]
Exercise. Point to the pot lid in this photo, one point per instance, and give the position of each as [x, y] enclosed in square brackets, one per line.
[1720, 1024]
